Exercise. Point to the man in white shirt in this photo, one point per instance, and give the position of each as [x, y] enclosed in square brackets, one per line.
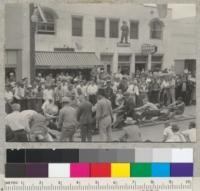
[177, 136]
[92, 91]
[48, 93]
[15, 122]
[191, 132]
[148, 110]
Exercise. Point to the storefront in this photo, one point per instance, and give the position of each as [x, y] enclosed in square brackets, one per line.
[67, 62]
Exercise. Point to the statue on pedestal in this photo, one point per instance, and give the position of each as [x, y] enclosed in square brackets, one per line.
[125, 32]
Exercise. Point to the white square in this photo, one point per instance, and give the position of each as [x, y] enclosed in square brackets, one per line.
[59, 170]
[162, 155]
[182, 155]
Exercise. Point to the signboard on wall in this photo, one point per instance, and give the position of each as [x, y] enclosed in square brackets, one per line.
[149, 49]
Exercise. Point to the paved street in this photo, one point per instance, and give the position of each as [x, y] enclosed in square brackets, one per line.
[154, 132]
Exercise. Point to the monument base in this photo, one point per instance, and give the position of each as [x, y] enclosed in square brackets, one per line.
[120, 44]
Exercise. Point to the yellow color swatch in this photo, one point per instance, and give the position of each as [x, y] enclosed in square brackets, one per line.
[120, 169]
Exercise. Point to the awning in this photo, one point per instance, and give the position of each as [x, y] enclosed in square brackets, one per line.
[66, 60]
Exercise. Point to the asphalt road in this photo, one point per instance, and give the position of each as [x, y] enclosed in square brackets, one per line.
[153, 132]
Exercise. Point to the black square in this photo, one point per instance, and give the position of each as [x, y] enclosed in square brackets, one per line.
[15, 170]
[15, 156]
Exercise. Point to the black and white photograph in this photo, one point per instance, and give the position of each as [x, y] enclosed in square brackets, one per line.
[100, 72]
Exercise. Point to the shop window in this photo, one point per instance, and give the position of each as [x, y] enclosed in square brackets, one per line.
[156, 29]
[114, 28]
[134, 29]
[190, 65]
[107, 61]
[100, 27]
[77, 26]
[141, 63]
[124, 62]
[156, 62]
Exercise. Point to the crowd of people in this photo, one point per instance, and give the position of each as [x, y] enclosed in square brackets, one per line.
[56, 107]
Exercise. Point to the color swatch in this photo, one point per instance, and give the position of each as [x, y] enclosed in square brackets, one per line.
[114, 170]
[75, 163]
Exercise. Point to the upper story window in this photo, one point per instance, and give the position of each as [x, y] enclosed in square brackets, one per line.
[156, 29]
[114, 28]
[100, 27]
[77, 26]
[48, 27]
[134, 29]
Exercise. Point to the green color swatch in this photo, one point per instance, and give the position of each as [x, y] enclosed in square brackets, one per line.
[140, 169]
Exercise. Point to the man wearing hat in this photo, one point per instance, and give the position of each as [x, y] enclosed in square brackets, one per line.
[104, 116]
[131, 132]
[67, 121]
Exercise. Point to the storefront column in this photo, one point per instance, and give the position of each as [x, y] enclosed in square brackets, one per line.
[149, 62]
[115, 63]
[132, 66]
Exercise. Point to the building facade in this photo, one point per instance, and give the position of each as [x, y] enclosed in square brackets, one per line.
[95, 28]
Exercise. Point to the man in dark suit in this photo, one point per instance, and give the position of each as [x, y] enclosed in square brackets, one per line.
[84, 116]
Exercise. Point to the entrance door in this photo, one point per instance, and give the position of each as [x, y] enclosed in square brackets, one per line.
[191, 66]
[140, 67]
[124, 62]
[107, 61]
[141, 62]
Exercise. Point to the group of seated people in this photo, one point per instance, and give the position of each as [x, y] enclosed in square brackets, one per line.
[148, 111]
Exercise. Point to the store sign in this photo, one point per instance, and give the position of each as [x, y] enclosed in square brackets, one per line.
[149, 49]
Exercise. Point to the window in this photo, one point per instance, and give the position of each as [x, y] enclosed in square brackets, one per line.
[156, 62]
[49, 26]
[134, 29]
[77, 26]
[124, 62]
[156, 29]
[100, 27]
[141, 62]
[114, 28]
[191, 66]
[107, 61]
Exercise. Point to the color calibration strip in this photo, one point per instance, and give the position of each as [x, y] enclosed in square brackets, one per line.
[72, 170]
[100, 163]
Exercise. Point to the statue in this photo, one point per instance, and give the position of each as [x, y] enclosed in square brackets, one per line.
[125, 32]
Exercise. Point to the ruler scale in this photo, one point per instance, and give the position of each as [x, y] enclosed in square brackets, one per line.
[101, 184]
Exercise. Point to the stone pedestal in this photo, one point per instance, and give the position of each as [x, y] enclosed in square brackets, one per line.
[119, 44]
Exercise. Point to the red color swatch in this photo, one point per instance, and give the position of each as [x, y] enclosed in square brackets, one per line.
[100, 170]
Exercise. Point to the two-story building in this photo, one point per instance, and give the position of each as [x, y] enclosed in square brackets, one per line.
[79, 36]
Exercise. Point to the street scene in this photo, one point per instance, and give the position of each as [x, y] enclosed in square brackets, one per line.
[75, 74]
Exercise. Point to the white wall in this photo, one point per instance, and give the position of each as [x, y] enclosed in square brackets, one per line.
[90, 43]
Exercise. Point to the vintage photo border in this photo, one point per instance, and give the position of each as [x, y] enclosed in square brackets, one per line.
[54, 145]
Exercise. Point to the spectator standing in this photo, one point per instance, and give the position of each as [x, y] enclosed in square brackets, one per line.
[104, 116]
[92, 92]
[8, 98]
[84, 117]
[67, 121]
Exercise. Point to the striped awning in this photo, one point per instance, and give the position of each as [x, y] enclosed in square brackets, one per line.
[66, 60]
